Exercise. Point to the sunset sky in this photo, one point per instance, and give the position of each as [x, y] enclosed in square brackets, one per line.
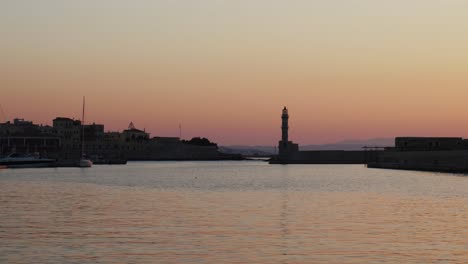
[346, 69]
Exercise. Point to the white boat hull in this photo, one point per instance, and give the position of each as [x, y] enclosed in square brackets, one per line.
[15, 160]
[85, 163]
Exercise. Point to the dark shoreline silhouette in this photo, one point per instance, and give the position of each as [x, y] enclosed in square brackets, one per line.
[62, 142]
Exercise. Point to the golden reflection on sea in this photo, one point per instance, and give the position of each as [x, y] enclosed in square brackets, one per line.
[59, 222]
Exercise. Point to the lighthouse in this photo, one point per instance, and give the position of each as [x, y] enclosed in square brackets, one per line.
[284, 125]
[286, 147]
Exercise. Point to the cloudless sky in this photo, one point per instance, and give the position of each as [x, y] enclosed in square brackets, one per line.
[224, 69]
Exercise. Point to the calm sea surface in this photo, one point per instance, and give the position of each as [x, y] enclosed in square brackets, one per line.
[232, 212]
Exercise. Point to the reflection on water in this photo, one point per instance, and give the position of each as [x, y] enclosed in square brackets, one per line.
[231, 212]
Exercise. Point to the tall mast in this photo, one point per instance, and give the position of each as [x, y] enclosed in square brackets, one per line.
[180, 131]
[82, 128]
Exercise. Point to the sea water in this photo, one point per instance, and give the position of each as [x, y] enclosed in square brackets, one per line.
[232, 212]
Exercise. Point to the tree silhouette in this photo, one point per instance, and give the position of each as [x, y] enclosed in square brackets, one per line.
[197, 141]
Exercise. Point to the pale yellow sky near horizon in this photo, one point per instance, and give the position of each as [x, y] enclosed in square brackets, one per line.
[224, 69]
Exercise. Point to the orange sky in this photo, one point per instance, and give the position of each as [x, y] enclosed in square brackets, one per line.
[224, 69]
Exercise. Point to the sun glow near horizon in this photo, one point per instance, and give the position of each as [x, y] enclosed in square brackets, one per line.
[224, 69]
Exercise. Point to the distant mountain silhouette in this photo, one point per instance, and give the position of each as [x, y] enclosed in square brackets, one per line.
[340, 145]
[352, 144]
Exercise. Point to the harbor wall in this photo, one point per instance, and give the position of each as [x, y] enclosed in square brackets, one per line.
[327, 157]
[111, 151]
[146, 150]
[440, 161]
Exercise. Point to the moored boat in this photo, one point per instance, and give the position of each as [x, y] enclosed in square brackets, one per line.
[16, 160]
[85, 163]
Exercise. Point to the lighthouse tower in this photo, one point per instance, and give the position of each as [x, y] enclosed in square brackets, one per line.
[284, 126]
[285, 146]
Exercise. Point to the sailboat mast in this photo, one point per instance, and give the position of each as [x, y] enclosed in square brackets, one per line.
[82, 128]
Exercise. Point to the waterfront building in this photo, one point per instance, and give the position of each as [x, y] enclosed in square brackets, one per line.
[68, 129]
[25, 137]
[444, 154]
[18, 127]
[47, 130]
[166, 140]
[62, 141]
[22, 122]
[8, 128]
[134, 134]
[93, 132]
[429, 143]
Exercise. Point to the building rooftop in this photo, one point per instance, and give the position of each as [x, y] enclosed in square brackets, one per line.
[64, 119]
[134, 130]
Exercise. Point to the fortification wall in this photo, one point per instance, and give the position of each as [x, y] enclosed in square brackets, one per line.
[443, 161]
[327, 157]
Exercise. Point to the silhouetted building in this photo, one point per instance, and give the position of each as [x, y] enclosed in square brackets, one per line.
[20, 127]
[68, 129]
[134, 134]
[8, 128]
[93, 132]
[63, 141]
[23, 136]
[21, 122]
[166, 140]
[48, 130]
[429, 143]
[445, 154]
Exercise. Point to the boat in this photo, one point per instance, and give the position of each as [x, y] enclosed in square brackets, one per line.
[16, 160]
[84, 162]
